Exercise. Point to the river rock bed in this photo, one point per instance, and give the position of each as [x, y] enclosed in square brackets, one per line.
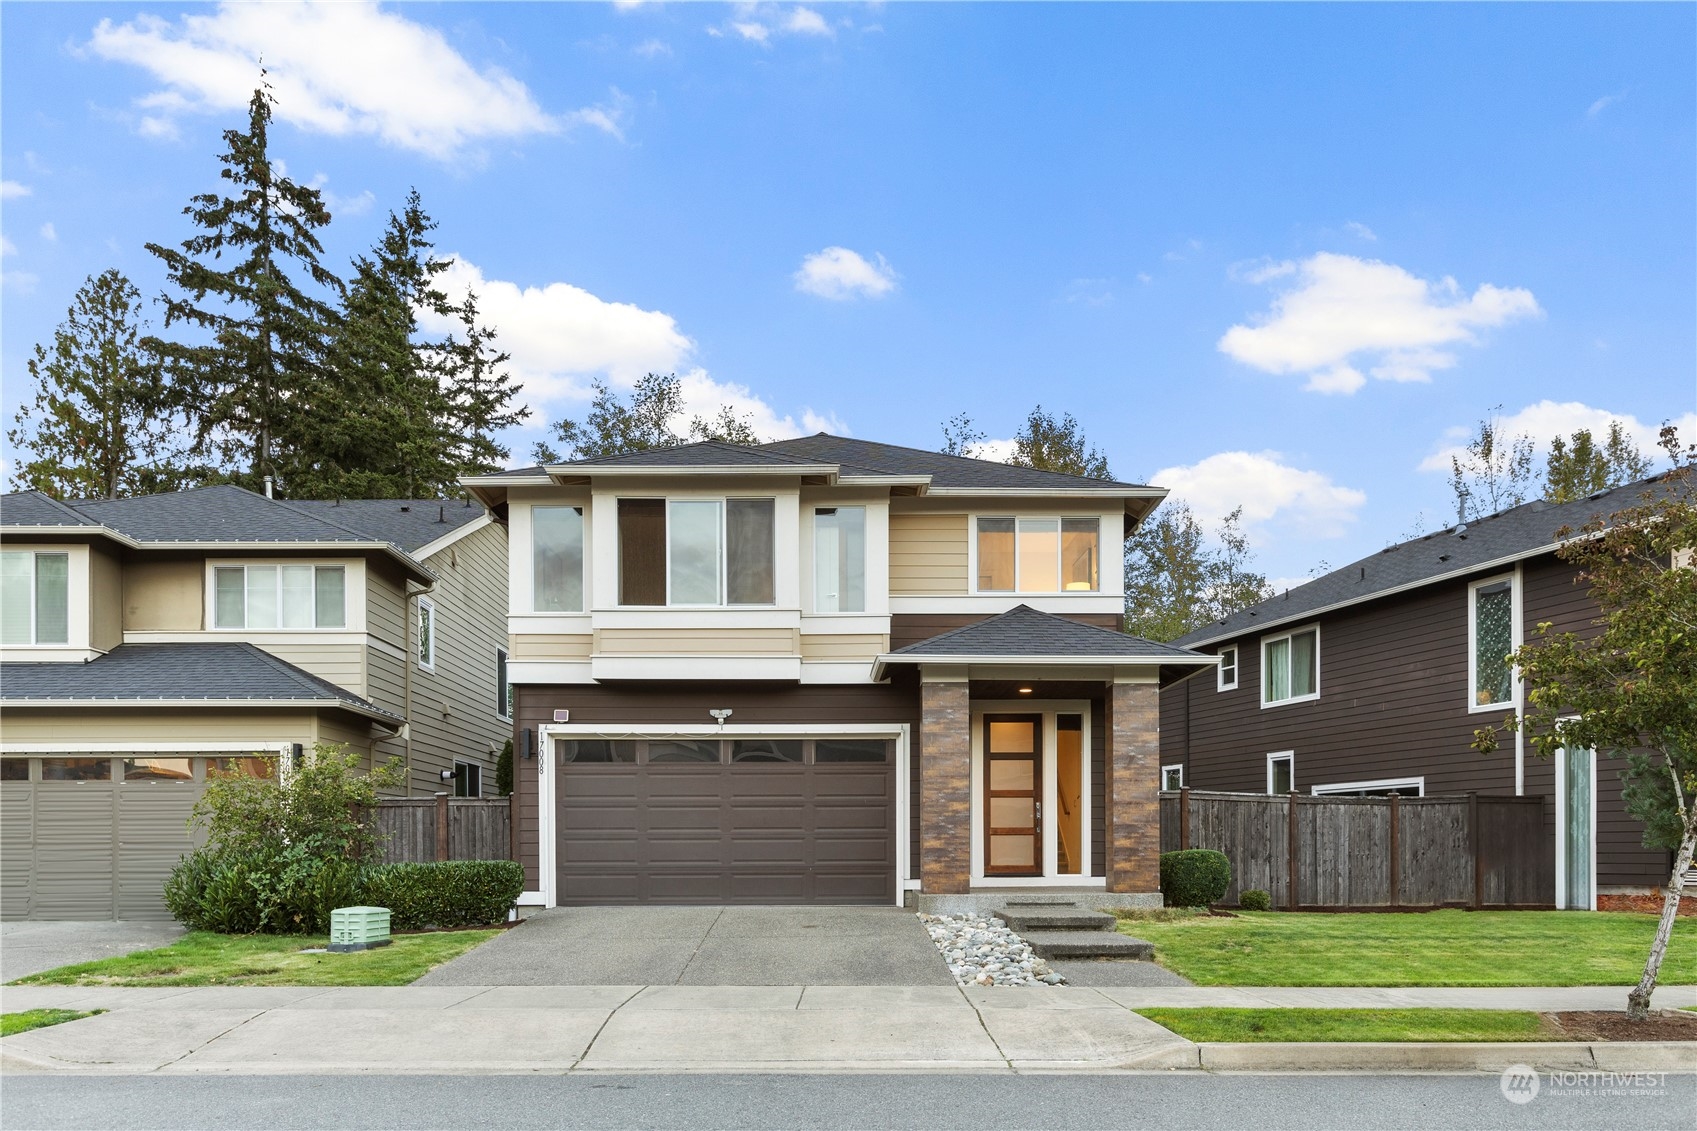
[982, 951]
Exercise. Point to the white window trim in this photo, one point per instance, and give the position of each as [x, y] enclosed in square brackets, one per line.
[583, 558]
[351, 578]
[1179, 766]
[426, 611]
[503, 690]
[1016, 591]
[1418, 784]
[1473, 641]
[1279, 756]
[1237, 663]
[1286, 635]
[70, 604]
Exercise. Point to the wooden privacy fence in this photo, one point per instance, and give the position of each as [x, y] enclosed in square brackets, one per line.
[421, 829]
[1456, 850]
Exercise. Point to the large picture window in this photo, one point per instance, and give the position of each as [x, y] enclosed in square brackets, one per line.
[34, 597]
[696, 552]
[1038, 554]
[556, 541]
[279, 596]
[1290, 667]
[1492, 633]
[839, 559]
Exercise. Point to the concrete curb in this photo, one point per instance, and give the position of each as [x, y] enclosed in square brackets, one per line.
[1424, 1056]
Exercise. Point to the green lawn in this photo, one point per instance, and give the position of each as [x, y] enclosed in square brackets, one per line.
[201, 958]
[1436, 948]
[11, 1023]
[1229, 1025]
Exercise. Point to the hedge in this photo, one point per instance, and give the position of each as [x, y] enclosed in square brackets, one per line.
[1255, 899]
[1195, 877]
[447, 893]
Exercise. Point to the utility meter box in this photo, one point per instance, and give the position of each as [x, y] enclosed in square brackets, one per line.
[358, 928]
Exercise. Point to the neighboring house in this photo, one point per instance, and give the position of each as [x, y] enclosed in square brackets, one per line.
[828, 670]
[1373, 678]
[144, 639]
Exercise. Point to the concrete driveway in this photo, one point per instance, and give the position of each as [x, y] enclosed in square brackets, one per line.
[704, 946]
[31, 947]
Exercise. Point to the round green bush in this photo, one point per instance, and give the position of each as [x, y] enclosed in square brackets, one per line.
[1255, 900]
[280, 889]
[447, 893]
[1195, 877]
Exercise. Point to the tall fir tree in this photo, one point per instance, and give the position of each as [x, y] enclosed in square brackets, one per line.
[241, 281]
[97, 427]
[480, 391]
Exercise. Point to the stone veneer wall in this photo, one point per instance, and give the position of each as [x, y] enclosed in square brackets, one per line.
[1134, 815]
[945, 818]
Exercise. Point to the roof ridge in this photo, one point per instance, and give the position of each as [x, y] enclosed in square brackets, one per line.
[952, 455]
[58, 504]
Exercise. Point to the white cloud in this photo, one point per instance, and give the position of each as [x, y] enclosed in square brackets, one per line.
[1357, 228]
[1269, 490]
[1340, 309]
[1596, 108]
[49, 232]
[759, 23]
[1546, 420]
[703, 397]
[837, 273]
[805, 21]
[11, 190]
[345, 69]
[652, 48]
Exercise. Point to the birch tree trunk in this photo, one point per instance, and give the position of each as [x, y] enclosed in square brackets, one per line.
[1638, 1001]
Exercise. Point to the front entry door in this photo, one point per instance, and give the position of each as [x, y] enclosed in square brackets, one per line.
[1013, 785]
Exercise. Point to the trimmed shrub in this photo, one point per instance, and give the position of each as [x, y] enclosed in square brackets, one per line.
[283, 889]
[1195, 877]
[445, 893]
[1255, 900]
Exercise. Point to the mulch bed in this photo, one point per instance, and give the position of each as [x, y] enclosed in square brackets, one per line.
[1608, 1025]
[1646, 904]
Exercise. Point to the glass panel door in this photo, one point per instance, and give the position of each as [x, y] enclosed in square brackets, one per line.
[1013, 806]
[1576, 824]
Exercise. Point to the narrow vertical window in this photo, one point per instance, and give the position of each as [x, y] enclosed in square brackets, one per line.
[839, 559]
[749, 566]
[229, 607]
[556, 535]
[1039, 555]
[693, 551]
[17, 597]
[1228, 668]
[1080, 554]
[297, 605]
[1281, 773]
[995, 554]
[426, 634]
[262, 596]
[503, 686]
[642, 551]
[330, 596]
[1493, 640]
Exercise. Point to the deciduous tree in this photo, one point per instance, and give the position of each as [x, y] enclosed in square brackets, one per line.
[1580, 466]
[1177, 579]
[1053, 443]
[615, 426]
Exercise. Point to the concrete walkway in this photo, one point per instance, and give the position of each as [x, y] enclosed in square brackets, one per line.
[522, 1029]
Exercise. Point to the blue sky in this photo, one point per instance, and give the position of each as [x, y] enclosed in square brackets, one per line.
[1268, 255]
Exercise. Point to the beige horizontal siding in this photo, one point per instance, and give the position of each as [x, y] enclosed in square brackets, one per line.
[844, 646]
[928, 553]
[236, 727]
[166, 596]
[553, 646]
[696, 642]
[341, 664]
[106, 600]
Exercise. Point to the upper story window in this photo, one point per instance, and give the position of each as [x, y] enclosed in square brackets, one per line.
[1038, 555]
[1491, 630]
[1228, 668]
[279, 596]
[426, 634]
[35, 597]
[1290, 666]
[700, 552]
[839, 559]
[556, 552]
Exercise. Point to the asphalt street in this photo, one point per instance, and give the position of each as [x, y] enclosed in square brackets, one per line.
[1264, 1102]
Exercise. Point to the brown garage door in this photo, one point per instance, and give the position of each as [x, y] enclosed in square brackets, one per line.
[745, 820]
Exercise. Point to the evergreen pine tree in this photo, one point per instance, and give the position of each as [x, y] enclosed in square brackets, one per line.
[479, 391]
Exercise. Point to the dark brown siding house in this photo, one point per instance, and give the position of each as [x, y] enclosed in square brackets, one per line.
[828, 670]
[1373, 678]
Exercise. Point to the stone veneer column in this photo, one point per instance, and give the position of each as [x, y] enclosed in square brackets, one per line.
[945, 788]
[1134, 814]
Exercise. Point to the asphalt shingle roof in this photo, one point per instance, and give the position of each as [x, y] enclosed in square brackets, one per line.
[704, 453]
[32, 508]
[871, 457]
[1026, 633]
[1517, 532]
[407, 523]
[214, 514]
[211, 673]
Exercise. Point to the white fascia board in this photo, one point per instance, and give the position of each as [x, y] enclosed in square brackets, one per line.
[836, 671]
[1048, 667]
[1052, 492]
[1058, 603]
[198, 704]
[502, 480]
[76, 533]
[884, 481]
[142, 747]
[448, 539]
[549, 671]
[715, 668]
[655, 471]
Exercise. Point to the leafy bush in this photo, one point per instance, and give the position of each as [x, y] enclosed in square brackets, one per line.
[447, 893]
[504, 771]
[282, 889]
[1255, 900]
[1195, 877]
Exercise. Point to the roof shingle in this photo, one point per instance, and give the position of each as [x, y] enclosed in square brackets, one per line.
[1027, 633]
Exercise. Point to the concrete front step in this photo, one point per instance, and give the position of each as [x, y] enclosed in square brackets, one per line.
[1087, 944]
[1041, 901]
[1022, 919]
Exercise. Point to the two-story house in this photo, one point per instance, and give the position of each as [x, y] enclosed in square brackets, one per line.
[826, 669]
[144, 640]
[1373, 678]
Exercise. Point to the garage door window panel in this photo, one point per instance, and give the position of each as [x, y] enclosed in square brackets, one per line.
[829, 751]
[596, 751]
[14, 769]
[767, 750]
[174, 770]
[253, 766]
[679, 750]
[76, 769]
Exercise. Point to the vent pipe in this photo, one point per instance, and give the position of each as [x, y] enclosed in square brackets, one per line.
[268, 487]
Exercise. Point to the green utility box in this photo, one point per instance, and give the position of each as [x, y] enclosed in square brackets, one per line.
[358, 928]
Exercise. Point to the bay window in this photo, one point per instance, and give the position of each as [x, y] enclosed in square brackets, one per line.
[1290, 667]
[556, 554]
[700, 552]
[279, 596]
[839, 559]
[1039, 554]
[34, 597]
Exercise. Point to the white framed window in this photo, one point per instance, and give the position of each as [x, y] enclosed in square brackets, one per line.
[556, 559]
[35, 597]
[1381, 787]
[427, 634]
[1037, 554]
[1281, 772]
[1290, 666]
[697, 553]
[279, 596]
[1227, 671]
[468, 779]
[1172, 777]
[1492, 633]
[503, 686]
[839, 559]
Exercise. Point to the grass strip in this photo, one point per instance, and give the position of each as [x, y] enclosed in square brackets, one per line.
[1434, 948]
[24, 1021]
[202, 958]
[1330, 1025]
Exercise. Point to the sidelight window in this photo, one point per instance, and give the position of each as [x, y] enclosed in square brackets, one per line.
[1038, 554]
[34, 597]
[839, 559]
[696, 552]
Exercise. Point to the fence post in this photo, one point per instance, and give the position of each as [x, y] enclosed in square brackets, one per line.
[1396, 850]
[1290, 900]
[1184, 818]
[513, 825]
[1474, 847]
[441, 826]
